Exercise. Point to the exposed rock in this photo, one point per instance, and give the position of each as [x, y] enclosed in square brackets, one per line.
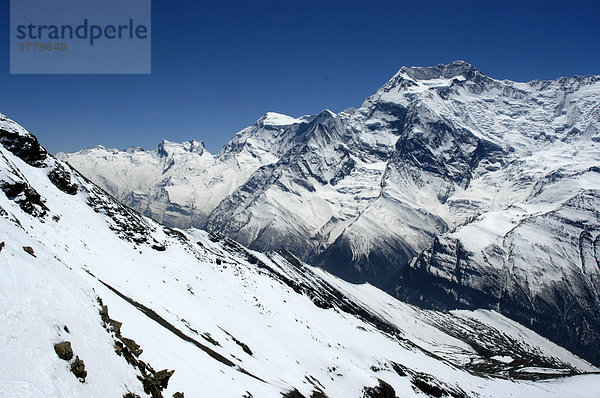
[383, 390]
[23, 145]
[399, 369]
[163, 377]
[78, 369]
[132, 346]
[115, 325]
[104, 312]
[64, 350]
[1, 246]
[155, 383]
[206, 336]
[131, 395]
[28, 199]
[152, 381]
[293, 394]
[244, 346]
[62, 180]
[29, 250]
[429, 389]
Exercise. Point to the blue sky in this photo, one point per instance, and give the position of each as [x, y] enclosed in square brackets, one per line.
[218, 66]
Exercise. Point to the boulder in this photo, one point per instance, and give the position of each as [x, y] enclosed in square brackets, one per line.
[78, 369]
[64, 350]
[29, 250]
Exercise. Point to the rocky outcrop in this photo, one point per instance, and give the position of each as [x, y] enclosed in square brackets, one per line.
[383, 390]
[153, 382]
[78, 369]
[29, 250]
[21, 143]
[64, 350]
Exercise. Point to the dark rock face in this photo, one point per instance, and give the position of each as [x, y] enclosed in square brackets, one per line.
[64, 350]
[78, 369]
[462, 154]
[29, 250]
[159, 381]
[132, 346]
[25, 147]
[375, 268]
[383, 390]
[293, 394]
[62, 180]
[28, 199]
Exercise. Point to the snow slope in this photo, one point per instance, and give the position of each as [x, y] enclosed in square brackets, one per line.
[230, 322]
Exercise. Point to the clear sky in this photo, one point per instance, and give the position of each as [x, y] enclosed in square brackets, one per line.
[218, 66]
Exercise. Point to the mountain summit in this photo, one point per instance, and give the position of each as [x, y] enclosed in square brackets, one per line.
[449, 71]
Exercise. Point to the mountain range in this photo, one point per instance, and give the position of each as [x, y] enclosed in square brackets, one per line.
[447, 188]
[96, 298]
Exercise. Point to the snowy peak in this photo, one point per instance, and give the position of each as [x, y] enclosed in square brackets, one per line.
[323, 116]
[167, 148]
[441, 78]
[133, 149]
[277, 119]
[447, 71]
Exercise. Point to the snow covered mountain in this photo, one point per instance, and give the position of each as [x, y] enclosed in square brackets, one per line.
[440, 164]
[180, 184]
[96, 298]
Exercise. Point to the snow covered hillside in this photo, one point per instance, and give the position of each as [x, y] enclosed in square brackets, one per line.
[98, 300]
